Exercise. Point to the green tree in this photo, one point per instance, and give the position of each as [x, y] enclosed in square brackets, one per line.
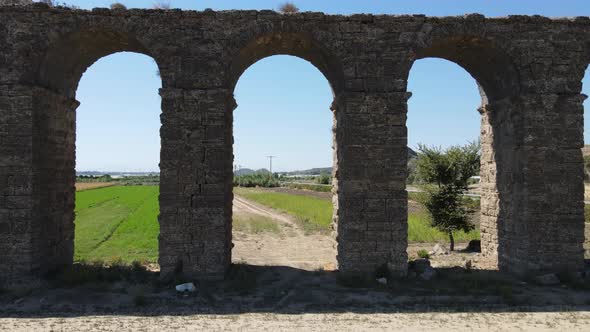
[447, 173]
[324, 178]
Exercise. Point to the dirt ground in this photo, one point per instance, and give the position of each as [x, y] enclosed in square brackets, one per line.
[521, 321]
[80, 186]
[286, 281]
[291, 247]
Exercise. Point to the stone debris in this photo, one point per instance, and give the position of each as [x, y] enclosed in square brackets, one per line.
[428, 274]
[438, 249]
[188, 287]
[420, 265]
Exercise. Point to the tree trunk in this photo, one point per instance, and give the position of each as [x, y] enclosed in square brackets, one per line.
[452, 239]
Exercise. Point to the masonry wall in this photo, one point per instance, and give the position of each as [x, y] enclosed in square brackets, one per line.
[18, 257]
[529, 69]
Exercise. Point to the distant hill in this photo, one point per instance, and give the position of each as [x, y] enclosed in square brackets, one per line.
[312, 171]
[249, 171]
[328, 170]
[586, 150]
[99, 173]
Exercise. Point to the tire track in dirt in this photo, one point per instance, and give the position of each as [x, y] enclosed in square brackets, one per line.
[292, 247]
[250, 207]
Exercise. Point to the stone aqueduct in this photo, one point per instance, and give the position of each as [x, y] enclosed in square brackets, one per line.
[529, 70]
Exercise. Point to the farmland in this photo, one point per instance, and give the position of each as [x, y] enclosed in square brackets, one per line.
[119, 223]
[316, 214]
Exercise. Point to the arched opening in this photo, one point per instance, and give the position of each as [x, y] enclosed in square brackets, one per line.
[498, 83]
[442, 113]
[117, 157]
[282, 129]
[586, 155]
[116, 128]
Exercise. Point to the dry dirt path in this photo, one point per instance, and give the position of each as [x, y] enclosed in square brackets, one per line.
[290, 247]
[432, 322]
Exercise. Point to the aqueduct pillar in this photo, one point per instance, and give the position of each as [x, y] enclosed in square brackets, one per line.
[196, 182]
[372, 200]
[532, 206]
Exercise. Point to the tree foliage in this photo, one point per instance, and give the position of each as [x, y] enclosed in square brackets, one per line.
[448, 172]
[118, 6]
[259, 179]
[288, 8]
[324, 178]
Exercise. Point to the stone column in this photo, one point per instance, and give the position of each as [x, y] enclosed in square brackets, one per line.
[54, 161]
[499, 174]
[196, 182]
[371, 172]
[16, 184]
[532, 174]
[37, 137]
[548, 194]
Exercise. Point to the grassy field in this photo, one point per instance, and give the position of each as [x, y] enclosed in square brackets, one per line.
[316, 215]
[255, 224]
[117, 223]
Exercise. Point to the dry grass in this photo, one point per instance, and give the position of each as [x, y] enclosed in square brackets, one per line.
[81, 186]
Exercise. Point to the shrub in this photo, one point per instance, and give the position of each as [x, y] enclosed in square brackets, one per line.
[323, 179]
[163, 5]
[118, 6]
[288, 8]
[265, 180]
[52, 3]
[423, 254]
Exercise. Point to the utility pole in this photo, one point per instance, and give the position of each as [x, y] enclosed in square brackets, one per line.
[270, 162]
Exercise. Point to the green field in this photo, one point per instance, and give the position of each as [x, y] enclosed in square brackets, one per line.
[117, 223]
[316, 214]
[120, 223]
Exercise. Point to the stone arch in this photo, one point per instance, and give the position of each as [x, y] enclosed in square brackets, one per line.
[54, 137]
[490, 66]
[298, 44]
[499, 84]
[303, 46]
[68, 58]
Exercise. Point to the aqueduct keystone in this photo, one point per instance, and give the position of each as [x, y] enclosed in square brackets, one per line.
[529, 70]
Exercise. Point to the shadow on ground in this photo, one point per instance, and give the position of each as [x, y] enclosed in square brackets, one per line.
[132, 290]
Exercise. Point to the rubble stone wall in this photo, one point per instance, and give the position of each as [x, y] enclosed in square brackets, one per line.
[529, 71]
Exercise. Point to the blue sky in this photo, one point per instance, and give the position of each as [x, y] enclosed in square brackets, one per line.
[283, 101]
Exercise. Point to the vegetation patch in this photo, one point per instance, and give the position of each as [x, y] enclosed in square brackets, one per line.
[309, 186]
[255, 224]
[315, 214]
[117, 223]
